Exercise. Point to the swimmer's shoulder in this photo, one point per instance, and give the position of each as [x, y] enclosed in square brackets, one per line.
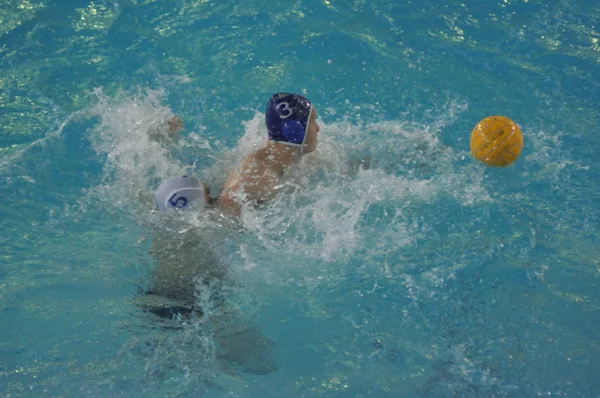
[252, 181]
[237, 174]
[253, 166]
[234, 181]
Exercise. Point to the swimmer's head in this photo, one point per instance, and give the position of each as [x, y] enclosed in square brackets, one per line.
[183, 192]
[291, 120]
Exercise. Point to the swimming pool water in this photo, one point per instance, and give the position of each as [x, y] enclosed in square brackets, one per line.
[426, 275]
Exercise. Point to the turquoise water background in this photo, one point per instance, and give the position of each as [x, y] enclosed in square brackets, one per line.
[427, 275]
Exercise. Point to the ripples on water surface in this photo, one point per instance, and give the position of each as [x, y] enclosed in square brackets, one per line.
[426, 275]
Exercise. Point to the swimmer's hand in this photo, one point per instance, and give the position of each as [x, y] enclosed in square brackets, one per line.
[166, 133]
[175, 125]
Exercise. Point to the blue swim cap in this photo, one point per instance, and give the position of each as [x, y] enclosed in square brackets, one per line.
[179, 193]
[287, 118]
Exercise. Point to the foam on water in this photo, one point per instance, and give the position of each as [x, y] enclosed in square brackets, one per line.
[357, 196]
[425, 274]
[132, 160]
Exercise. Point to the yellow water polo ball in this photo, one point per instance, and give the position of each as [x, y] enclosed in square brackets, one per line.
[496, 141]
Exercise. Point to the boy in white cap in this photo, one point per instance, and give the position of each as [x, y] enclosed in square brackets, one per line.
[186, 265]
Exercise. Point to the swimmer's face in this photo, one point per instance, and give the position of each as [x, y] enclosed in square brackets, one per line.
[312, 132]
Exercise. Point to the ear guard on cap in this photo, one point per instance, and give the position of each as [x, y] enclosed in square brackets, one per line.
[293, 131]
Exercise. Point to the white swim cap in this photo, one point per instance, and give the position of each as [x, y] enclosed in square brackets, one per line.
[179, 193]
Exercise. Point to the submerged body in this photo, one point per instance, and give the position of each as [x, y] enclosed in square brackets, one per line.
[189, 282]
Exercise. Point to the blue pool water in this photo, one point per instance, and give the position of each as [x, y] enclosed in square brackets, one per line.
[427, 275]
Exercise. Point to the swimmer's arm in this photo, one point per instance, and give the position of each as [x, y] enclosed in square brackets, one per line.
[254, 184]
[253, 191]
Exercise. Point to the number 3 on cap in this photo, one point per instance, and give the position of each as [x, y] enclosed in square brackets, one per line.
[177, 201]
[284, 107]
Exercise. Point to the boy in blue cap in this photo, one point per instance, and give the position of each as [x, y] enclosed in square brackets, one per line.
[292, 133]
[291, 121]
